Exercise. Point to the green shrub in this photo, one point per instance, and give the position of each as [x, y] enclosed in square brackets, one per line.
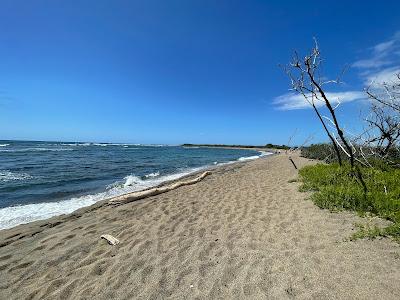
[337, 189]
[326, 153]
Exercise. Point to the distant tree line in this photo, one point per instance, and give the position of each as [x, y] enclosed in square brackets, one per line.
[267, 146]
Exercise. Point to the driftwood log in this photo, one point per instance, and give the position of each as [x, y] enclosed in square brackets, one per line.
[110, 239]
[155, 191]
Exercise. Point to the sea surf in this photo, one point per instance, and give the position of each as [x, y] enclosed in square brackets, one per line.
[39, 180]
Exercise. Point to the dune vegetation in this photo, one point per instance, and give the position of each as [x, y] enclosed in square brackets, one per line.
[336, 189]
[360, 172]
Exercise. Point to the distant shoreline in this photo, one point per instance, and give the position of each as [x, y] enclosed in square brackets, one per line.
[269, 147]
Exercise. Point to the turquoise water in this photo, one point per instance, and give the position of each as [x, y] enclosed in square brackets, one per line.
[42, 179]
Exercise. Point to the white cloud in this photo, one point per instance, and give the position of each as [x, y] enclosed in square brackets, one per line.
[292, 101]
[383, 63]
[381, 66]
[381, 55]
[388, 75]
[384, 47]
[375, 62]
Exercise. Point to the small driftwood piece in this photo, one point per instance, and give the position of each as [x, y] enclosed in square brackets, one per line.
[110, 239]
[155, 191]
[294, 165]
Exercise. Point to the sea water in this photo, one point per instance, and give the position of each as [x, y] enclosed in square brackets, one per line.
[39, 180]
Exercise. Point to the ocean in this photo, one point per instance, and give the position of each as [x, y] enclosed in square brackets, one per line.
[39, 180]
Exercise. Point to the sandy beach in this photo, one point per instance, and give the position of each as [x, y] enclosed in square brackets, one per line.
[245, 231]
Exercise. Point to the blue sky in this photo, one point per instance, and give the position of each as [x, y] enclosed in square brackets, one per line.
[181, 71]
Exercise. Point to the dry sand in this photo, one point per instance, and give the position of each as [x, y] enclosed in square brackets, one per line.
[243, 232]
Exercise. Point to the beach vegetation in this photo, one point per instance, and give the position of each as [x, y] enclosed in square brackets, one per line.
[335, 189]
[324, 152]
[361, 172]
[274, 146]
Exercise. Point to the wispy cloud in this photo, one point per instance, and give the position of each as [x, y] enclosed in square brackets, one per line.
[375, 62]
[292, 101]
[388, 75]
[381, 64]
[381, 55]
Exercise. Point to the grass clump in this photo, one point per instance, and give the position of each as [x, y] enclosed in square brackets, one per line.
[371, 232]
[336, 188]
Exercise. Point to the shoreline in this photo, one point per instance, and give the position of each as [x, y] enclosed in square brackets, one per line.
[189, 174]
[245, 231]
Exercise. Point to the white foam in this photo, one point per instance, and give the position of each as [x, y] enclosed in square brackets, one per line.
[73, 144]
[262, 153]
[132, 180]
[36, 149]
[4, 145]
[265, 153]
[101, 144]
[124, 145]
[155, 145]
[155, 174]
[15, 215]
[6, 176]
[248, 158]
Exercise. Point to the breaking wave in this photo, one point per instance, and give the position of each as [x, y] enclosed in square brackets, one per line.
[152, 175]
[21, 214]
[262, 153]
[36, 149]
[6, 176]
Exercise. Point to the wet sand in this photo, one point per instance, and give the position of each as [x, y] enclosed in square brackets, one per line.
[243, 232]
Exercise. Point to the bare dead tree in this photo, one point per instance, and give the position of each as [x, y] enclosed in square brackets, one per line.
[387, 128]
[306, 141]
[306, 79]
[291, 148]
[382, 135]
[386, 93]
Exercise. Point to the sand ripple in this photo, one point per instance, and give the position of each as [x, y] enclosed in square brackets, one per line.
[243, 232]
